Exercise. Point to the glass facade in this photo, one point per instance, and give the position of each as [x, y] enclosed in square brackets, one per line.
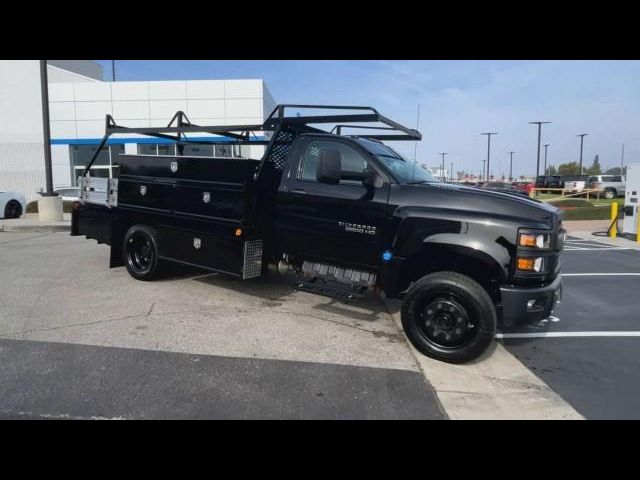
[195, 150]
[104, 166]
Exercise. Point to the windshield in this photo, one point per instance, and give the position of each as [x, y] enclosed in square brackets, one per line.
[402, 169]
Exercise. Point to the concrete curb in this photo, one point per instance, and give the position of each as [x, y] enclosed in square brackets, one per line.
[35, 228]
[495, 387]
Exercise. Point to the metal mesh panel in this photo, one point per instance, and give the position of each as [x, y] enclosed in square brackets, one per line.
[252, 266]
[280, 149]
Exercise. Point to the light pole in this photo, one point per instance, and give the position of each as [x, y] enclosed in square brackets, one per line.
[539, 135]
[511, 166]
[444, 176]
[44, 91]
[451, 173]
[415, 146]
[581, 135]
[488, 134]
[113, 69]
[546, 145]
[483, 170]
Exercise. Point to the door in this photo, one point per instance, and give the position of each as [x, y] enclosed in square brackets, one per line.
[341, 222]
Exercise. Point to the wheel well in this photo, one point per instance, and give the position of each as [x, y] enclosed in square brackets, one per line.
[12, 202]
[442, 258]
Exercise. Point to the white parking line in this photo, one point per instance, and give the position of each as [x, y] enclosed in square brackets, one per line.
[601, 274]
[573, 249]
[567, 334]
[587, 243]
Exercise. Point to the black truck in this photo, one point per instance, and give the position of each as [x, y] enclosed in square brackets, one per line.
[339, 213]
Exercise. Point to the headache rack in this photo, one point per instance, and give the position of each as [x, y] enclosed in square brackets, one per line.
[282, 130]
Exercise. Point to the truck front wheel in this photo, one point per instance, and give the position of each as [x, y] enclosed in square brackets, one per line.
[140, 251]
[449, 316]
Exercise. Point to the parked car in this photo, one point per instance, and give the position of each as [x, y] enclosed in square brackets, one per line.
[548, 181]
[525, 187]
[12, 204]
[611, 186]
[504, 187]
[68, 194]
[573, 182]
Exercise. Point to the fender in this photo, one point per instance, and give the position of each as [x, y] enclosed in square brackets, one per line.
[446, 237]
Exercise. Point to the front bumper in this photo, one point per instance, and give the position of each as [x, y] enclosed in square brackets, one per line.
[515, 303]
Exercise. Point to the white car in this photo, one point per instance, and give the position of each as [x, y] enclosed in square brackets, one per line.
[12, 204]
[574, 186]
[68, 194]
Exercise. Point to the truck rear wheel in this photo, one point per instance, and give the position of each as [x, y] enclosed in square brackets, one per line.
[140, 251]
[449, 316]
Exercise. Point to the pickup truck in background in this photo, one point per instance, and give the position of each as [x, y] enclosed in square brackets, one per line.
[339, 214]
[610, 186]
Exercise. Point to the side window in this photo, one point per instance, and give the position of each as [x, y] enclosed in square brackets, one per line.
[351, 161]
[616, 178]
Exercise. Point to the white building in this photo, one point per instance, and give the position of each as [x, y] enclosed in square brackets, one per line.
[438, 171]
[78, 103]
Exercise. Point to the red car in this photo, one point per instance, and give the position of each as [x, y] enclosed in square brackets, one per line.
[525, 187]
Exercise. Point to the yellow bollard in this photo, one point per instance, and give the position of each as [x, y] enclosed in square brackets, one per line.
[614, 215]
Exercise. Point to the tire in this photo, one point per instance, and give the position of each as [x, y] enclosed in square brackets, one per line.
[449, 316]
[140, 252]
[12, 209]
[609, 193]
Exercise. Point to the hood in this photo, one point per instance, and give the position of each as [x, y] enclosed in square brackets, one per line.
[473, 200]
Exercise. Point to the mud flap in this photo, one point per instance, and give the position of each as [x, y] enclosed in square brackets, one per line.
[118, 229]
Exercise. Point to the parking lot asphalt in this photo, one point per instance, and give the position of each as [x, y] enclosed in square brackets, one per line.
[589, 350]
[80, 340]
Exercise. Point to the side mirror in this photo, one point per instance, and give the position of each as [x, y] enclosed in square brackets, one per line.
[372, 179]
[329, 166]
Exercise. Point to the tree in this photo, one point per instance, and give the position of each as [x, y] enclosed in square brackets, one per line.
[595, 168]
[613, 171]
[552, 170]
[571, 168]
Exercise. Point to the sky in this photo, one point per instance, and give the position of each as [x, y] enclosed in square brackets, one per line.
[458, 100]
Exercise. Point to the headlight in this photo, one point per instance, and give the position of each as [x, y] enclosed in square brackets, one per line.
[534, 240]
[529, 264]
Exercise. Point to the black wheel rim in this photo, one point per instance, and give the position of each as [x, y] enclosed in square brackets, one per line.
[140, 253]
[445, 321]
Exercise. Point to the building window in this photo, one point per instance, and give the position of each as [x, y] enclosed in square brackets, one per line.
[156, 149]
[224, 151]
[81, 155]
[167, 149]
[196, 150]
[147, 149]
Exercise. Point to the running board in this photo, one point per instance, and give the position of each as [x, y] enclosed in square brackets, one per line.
[330, 289]
[346, 276]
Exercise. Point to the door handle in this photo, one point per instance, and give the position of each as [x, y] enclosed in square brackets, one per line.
[299, 191]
